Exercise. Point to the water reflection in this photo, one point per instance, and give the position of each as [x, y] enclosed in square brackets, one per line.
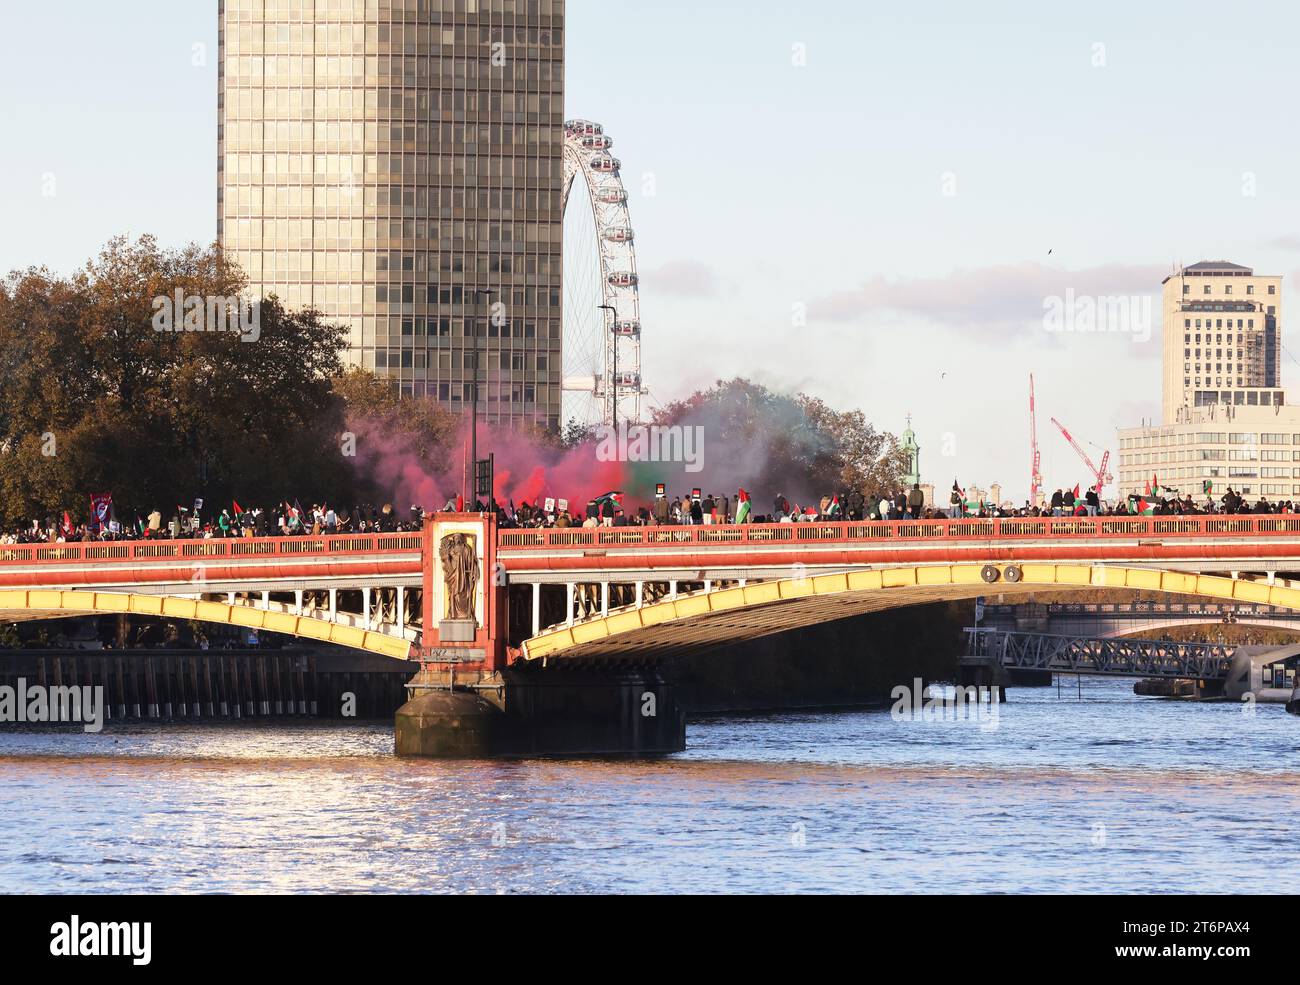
[1107, 794]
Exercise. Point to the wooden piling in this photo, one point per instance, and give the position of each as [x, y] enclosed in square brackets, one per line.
[150, 688]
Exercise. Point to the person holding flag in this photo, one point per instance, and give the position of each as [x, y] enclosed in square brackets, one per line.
[742, 506]
[604, 507]
[957, 502]
[1092, 502]
[101, 510]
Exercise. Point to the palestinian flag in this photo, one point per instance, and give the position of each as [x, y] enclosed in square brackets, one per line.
[969, 506]
[1141, 507]
[834, 507]
[742, 506]
[608, 503]
[1207, 487]
[235, 504]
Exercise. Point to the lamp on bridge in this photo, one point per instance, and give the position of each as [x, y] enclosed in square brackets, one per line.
[487, 293]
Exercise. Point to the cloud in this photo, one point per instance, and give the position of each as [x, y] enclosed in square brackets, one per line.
[683, 279]
[1007, 296]
[1288, 242]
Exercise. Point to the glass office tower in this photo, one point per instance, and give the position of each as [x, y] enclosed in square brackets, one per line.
[392, 161]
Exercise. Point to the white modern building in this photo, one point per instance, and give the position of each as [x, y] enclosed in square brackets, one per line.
[1226, 421]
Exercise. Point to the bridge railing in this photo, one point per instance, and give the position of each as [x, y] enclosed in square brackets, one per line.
[194, 551]
[907, 531]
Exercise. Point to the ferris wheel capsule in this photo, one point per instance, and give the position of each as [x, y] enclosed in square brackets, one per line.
[605, 164]
[618, 234]
[583, 128]
[612, 196]
[596, 141]
[629, 327]
[622, 278]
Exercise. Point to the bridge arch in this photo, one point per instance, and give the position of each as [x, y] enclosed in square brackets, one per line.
[702, 620]
[20, 605]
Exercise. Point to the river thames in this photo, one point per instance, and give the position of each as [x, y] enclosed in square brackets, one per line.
[1107, 793]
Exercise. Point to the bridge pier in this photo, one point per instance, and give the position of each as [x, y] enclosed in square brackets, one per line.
[540, 712]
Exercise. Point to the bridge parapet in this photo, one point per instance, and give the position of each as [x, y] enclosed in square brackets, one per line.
[1025, 528]
[146, 551]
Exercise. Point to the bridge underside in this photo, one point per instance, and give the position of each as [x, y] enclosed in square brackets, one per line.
[26, 606]
[702, 621]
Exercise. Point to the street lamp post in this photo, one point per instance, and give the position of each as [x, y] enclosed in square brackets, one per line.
[614, 378]
[473, 411]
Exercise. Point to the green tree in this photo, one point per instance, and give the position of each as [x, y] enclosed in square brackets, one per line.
[790, 443]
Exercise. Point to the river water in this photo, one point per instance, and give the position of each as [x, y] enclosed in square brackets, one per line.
[1061, 792]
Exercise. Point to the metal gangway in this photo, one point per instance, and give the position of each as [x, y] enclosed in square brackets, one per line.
[1102, 656]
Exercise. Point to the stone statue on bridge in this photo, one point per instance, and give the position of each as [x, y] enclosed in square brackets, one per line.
[460, 575]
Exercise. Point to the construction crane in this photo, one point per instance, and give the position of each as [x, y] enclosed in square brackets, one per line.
[1035, 465]
[1100, 474]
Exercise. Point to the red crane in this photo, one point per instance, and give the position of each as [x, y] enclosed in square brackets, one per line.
[1100, 473]
[1035, 465]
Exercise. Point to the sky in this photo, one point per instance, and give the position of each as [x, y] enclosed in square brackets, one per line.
[869, 202]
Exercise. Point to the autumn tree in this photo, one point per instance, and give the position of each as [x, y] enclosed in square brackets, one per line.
[97, 398]
[420, 431]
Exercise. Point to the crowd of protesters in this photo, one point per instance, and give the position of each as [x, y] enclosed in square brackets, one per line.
[898, 505]
[282, 520]
[287, 519]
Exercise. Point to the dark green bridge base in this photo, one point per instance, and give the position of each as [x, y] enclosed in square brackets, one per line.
[543, 712]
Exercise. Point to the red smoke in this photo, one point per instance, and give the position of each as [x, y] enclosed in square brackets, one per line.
[525, 471]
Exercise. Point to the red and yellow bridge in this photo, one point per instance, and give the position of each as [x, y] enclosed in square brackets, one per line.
[614, 592]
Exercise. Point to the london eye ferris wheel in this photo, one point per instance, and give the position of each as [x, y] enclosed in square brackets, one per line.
[602, 306]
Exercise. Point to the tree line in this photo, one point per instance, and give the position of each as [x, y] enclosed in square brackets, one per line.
[109, 384]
